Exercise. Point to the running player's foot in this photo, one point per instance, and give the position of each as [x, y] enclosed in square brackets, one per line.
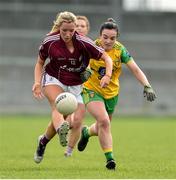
[111, 164]
[38, 156]
[66, 154]
[84, 140]
[63, 132]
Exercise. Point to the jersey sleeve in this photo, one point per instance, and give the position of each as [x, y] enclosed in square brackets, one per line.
[125, 56]
[95, 52]
[43, 50]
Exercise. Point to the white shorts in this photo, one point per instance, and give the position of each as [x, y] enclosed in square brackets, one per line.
[76, 90]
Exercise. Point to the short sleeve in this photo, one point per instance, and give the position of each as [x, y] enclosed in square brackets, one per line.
[43, 51]
[125, 56]
[95, 52]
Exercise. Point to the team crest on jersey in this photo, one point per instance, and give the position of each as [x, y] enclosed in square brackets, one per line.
[91, 94]
[73, 62]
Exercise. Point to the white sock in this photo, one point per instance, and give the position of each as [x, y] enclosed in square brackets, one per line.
[69, 151]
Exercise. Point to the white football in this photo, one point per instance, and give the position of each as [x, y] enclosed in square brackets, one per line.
[66, 103]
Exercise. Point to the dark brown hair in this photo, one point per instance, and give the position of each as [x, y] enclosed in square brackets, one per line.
[109, 24]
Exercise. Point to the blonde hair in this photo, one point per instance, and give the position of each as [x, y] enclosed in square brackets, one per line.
[63, 17]
[84, 18]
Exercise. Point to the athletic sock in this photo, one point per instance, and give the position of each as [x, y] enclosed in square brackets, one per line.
[108, 154]
[86, 132]
[44, 140]
[68, 151]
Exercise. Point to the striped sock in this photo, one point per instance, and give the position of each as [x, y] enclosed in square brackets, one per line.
[44, 140]
[108, 154]
[68, 151]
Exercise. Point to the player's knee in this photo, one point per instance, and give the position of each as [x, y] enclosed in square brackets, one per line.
[76, 123]
[104, 123]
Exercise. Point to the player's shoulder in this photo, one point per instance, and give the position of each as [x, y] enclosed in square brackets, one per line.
[83, 39]
[118, 45]
[51, 37]
[88, 42]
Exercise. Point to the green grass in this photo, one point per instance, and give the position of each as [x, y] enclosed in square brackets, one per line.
[143, 147]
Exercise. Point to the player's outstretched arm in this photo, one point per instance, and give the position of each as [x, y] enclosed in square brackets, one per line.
[148, 92]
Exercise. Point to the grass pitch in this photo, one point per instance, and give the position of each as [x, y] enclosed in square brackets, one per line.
[143, 148]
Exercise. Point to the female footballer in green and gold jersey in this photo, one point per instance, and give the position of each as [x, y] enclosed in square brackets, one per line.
[101, 102]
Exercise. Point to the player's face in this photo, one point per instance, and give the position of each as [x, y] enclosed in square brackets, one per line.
[81, 27]
[67, 30]
[108, 38]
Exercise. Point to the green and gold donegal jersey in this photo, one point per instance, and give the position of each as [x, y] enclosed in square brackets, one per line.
[119, 55]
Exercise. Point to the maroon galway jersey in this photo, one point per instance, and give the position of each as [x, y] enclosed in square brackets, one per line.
[64, 65]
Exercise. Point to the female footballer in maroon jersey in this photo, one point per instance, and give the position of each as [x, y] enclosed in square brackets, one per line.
[68, 54]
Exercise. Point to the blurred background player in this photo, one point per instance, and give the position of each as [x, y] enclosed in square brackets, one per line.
[82, 25]
[69, 55]
[101, 102]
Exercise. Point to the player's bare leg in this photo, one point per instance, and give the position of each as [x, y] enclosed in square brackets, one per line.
[75, 131]
[92, 130]
[58, 123]
[102, 128]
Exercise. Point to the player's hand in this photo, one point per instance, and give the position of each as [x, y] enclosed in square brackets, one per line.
[37, 91]
[85, 75]
[149, 93]
[105, 81]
